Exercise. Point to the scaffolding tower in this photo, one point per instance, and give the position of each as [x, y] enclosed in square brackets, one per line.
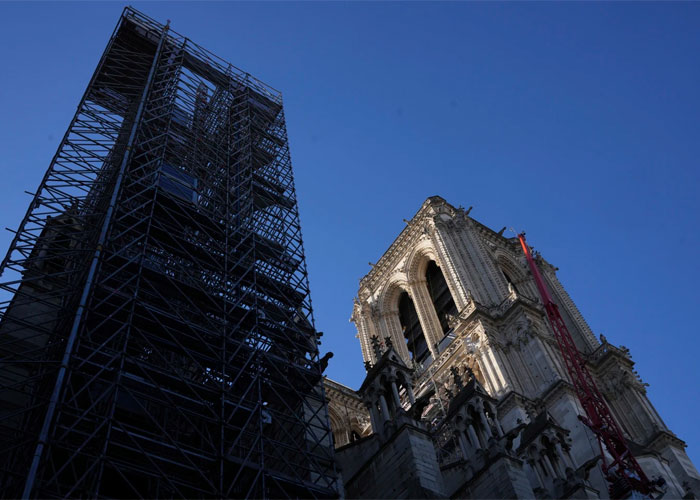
[156, 332]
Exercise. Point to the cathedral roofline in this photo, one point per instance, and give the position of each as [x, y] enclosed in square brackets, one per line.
[431, 201]
[433, 205]
[339, 387]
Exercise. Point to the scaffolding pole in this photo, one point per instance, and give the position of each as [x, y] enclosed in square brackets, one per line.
[157, 339]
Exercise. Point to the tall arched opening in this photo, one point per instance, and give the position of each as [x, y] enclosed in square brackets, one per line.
[440, 295]
[412, 330]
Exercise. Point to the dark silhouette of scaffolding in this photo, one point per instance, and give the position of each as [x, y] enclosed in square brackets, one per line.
[157, 339]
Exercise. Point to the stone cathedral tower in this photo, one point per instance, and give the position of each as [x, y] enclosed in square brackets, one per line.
[466, 395]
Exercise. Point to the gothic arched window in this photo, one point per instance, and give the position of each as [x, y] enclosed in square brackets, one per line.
[440, 295]
[412, 331]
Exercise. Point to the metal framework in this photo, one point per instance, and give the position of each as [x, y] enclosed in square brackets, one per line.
[623, 473]
[157, 339]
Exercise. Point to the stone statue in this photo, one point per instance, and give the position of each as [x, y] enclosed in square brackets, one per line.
[324, 361]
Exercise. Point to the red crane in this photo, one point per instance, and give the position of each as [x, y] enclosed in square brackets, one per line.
[623, 472]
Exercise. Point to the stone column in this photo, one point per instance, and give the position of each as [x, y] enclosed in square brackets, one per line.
[489, 368]
[384, 407]
[494, 420]
[464, 445]
[501, 360]
[363, 322]
[565, 458]
[411, 396]
[429, 322]
[499, 380]
[548, 465]
[473, 437]
[499, 429]
[395, 392]
[536, 469]
[485, 423]
[373, 416]
[558, 466]
[392, 325]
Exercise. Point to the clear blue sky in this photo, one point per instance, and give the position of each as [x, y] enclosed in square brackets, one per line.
[578, 122]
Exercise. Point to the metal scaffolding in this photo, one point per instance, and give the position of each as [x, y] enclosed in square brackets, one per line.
[158, 340]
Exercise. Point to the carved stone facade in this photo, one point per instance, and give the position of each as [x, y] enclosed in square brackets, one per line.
[489, 388]
[348, 416]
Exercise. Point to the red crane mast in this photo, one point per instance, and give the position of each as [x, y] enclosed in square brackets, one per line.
[623, 472]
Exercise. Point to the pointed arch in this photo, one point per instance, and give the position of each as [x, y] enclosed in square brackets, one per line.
[388, 299]
[440, 296]
[423, 268]
[417, 261]
[388, 302]
[338, 429]
[513, 275]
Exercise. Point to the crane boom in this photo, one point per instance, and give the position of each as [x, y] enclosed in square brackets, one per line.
[623, 472]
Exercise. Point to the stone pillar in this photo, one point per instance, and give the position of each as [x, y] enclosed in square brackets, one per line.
[485, 371]
[558, 466]
[548, 465]
[485, 423]
[392, 325]
[565, 458]
[501, 360]
[499, 429]
[429, 322]
[411, 396]
[373, 417]
[500, 383]
[473, 437]
[385, 408]
[464, 445]
[534, 465]
[362, 322]
[395, 392]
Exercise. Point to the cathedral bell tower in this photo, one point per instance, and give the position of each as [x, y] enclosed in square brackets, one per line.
[454, 335]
